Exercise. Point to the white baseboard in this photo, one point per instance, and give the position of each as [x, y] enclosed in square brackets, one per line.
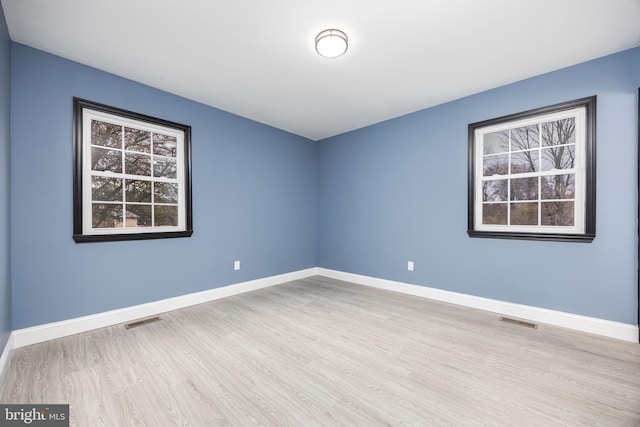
[49, 331]
[621, 331]
[4, 357]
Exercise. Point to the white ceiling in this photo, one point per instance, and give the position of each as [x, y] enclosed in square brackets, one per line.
[256, 58]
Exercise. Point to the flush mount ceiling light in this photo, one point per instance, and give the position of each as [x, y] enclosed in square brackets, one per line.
[331, 43]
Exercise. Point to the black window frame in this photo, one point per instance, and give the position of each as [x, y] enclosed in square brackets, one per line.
[589, 103]
[79, 106]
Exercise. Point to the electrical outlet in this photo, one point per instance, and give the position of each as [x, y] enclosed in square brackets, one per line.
[236, 265]
[410, 266]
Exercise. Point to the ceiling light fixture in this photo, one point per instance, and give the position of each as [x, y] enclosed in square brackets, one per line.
[331, 43]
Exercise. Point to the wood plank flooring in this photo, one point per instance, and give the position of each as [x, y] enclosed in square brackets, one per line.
[320, 352]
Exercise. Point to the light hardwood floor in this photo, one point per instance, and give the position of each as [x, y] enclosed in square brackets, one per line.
[321, 352]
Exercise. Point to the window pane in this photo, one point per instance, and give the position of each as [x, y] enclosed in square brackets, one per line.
[106, 216]
[106, 189]
[495, 191]
[524, 213]
[166, 215]
[138, 191]
[137, 164]
[524, 189]
[562, 157]
[494, 213]
[559, 187]
[495, 165]
[164, 145]
[164, 168]
[525, 161]
[525, 138]
[166, 192]
[559, 132]
[106, 134]
[138, 215]
[496, 142]
[557, 213]
[137, 140]
[103, 159]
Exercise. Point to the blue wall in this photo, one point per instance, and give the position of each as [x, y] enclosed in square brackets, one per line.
[364, 202]
[5, 182]
[397, 191]
[254, 199]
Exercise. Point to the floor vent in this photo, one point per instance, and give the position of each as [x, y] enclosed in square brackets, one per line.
[519, 322]
[141, 322]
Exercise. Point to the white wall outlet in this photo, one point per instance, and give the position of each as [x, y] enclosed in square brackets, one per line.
[410, 266]
[236, 265]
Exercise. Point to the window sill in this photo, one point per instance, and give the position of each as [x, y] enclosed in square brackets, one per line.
[582, 238]
[88, 238]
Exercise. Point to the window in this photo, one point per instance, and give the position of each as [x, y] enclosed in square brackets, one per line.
[132, 176]
[532, 174]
